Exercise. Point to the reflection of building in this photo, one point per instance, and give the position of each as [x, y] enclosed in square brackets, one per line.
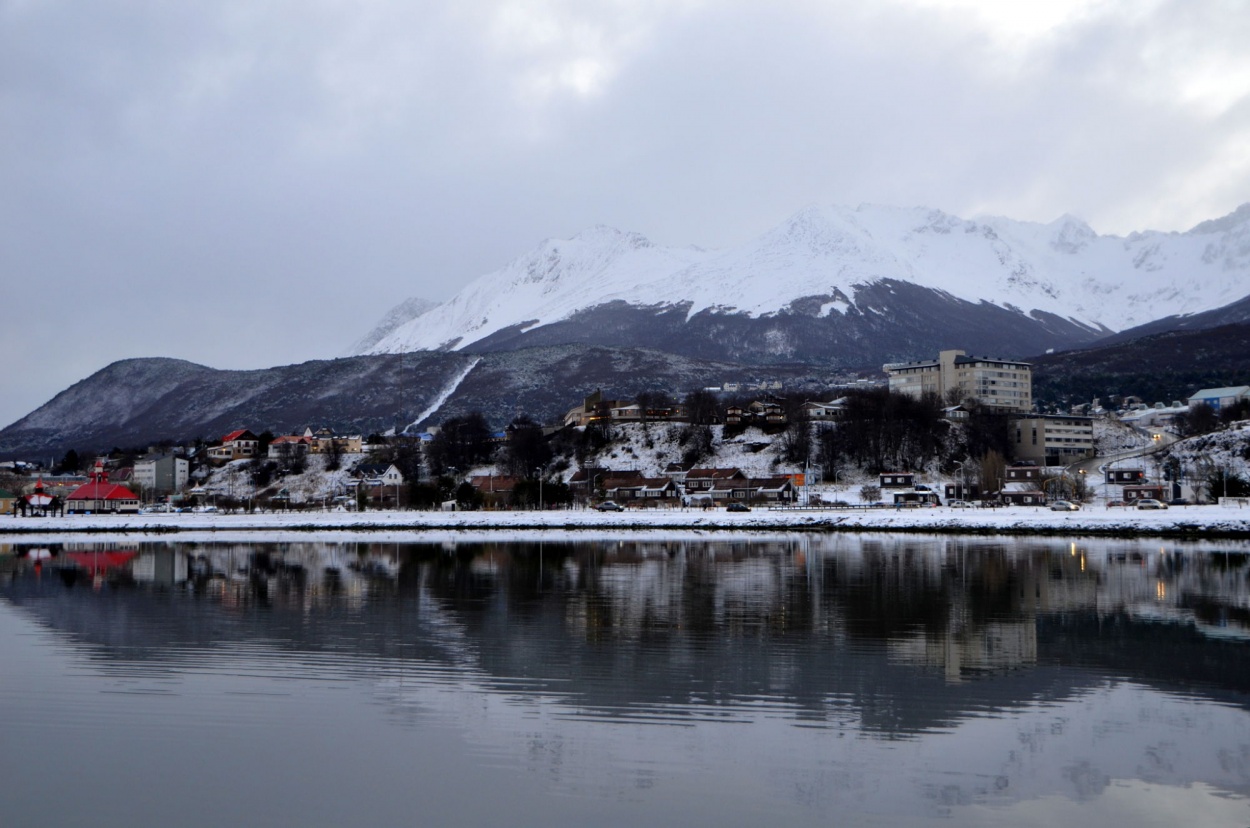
[997, 384]
[163, 567]
[999, 645]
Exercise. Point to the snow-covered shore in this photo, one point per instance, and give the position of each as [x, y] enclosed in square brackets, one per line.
[1190, 521]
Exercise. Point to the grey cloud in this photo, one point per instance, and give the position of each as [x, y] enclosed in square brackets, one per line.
[253, 183]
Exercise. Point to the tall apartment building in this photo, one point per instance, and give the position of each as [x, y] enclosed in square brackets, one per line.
[998, 384]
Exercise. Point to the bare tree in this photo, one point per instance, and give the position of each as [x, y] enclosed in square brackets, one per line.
[334, 455]
[993, 471]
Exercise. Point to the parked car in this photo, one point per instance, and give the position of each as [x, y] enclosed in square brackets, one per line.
[1179, 501]
[1064, 506]
[737, 507]
[610, 506]
[1151, 503]
[959, 504]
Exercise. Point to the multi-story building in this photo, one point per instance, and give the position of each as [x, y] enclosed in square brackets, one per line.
[1052, 440]
[162, 473]
[997, 384]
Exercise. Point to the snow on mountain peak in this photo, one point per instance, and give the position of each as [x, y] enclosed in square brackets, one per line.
[1237, 218]
[1063, 268]
[1071, 234]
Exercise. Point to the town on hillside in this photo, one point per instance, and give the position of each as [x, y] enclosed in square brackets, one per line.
[956, 430]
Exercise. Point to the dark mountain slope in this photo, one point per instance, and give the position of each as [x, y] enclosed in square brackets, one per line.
[1158, 368]
[888, 321]
[1234, 314]
[141, 401]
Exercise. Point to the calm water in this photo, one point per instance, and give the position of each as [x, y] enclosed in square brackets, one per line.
[793, 681]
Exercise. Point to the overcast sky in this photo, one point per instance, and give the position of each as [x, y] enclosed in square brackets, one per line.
[254, 183]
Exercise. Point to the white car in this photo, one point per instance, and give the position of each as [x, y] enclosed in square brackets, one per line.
[959, 504]
[1150, 503]
[1064, 506]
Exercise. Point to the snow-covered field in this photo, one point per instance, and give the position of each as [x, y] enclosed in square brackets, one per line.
[1197, 521]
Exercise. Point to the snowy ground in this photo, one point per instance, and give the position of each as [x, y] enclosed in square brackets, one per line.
[1113, 437]
[1196, 521]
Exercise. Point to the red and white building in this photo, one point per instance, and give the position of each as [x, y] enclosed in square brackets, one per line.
[98, 495]
[237, 445]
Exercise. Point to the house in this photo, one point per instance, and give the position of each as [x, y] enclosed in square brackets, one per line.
[1052, 440]
[290, 446]
[1156, 416]
[1123, 476]
[98, 495]
[7, 499]
[237, 445]
[740, 488]
[378, 474]
[1022, 494]
[898, 480]
[1218, 398]
[324, 440]
[705, 480]
[963, 491]
[646, 491]
[768, 411]
[773, 489]
[765, 412]
[997, 384]
[160, 473]
[1023, 472]
[825, 411]
[587, 481]
[1132, 494]
[497, 484]
[917, 497]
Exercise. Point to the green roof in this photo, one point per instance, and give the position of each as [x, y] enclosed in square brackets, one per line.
[6, 494]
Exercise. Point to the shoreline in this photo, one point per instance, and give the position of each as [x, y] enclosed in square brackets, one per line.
[1192, 522]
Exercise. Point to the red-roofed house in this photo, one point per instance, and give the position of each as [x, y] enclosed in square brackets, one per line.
[99, 495]
[236, 445]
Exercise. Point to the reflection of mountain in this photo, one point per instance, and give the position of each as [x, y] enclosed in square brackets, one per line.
[875, 629]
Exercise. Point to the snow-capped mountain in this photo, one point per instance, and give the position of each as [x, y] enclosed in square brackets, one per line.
[407, 310]
[837, 275]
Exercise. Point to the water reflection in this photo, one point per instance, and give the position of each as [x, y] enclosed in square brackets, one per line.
[905, 676]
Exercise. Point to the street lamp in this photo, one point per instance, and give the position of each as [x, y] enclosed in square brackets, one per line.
[539, 471]
[963, 478]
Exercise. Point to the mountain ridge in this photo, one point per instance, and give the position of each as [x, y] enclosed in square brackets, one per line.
[141, 402]
[1062, 270]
